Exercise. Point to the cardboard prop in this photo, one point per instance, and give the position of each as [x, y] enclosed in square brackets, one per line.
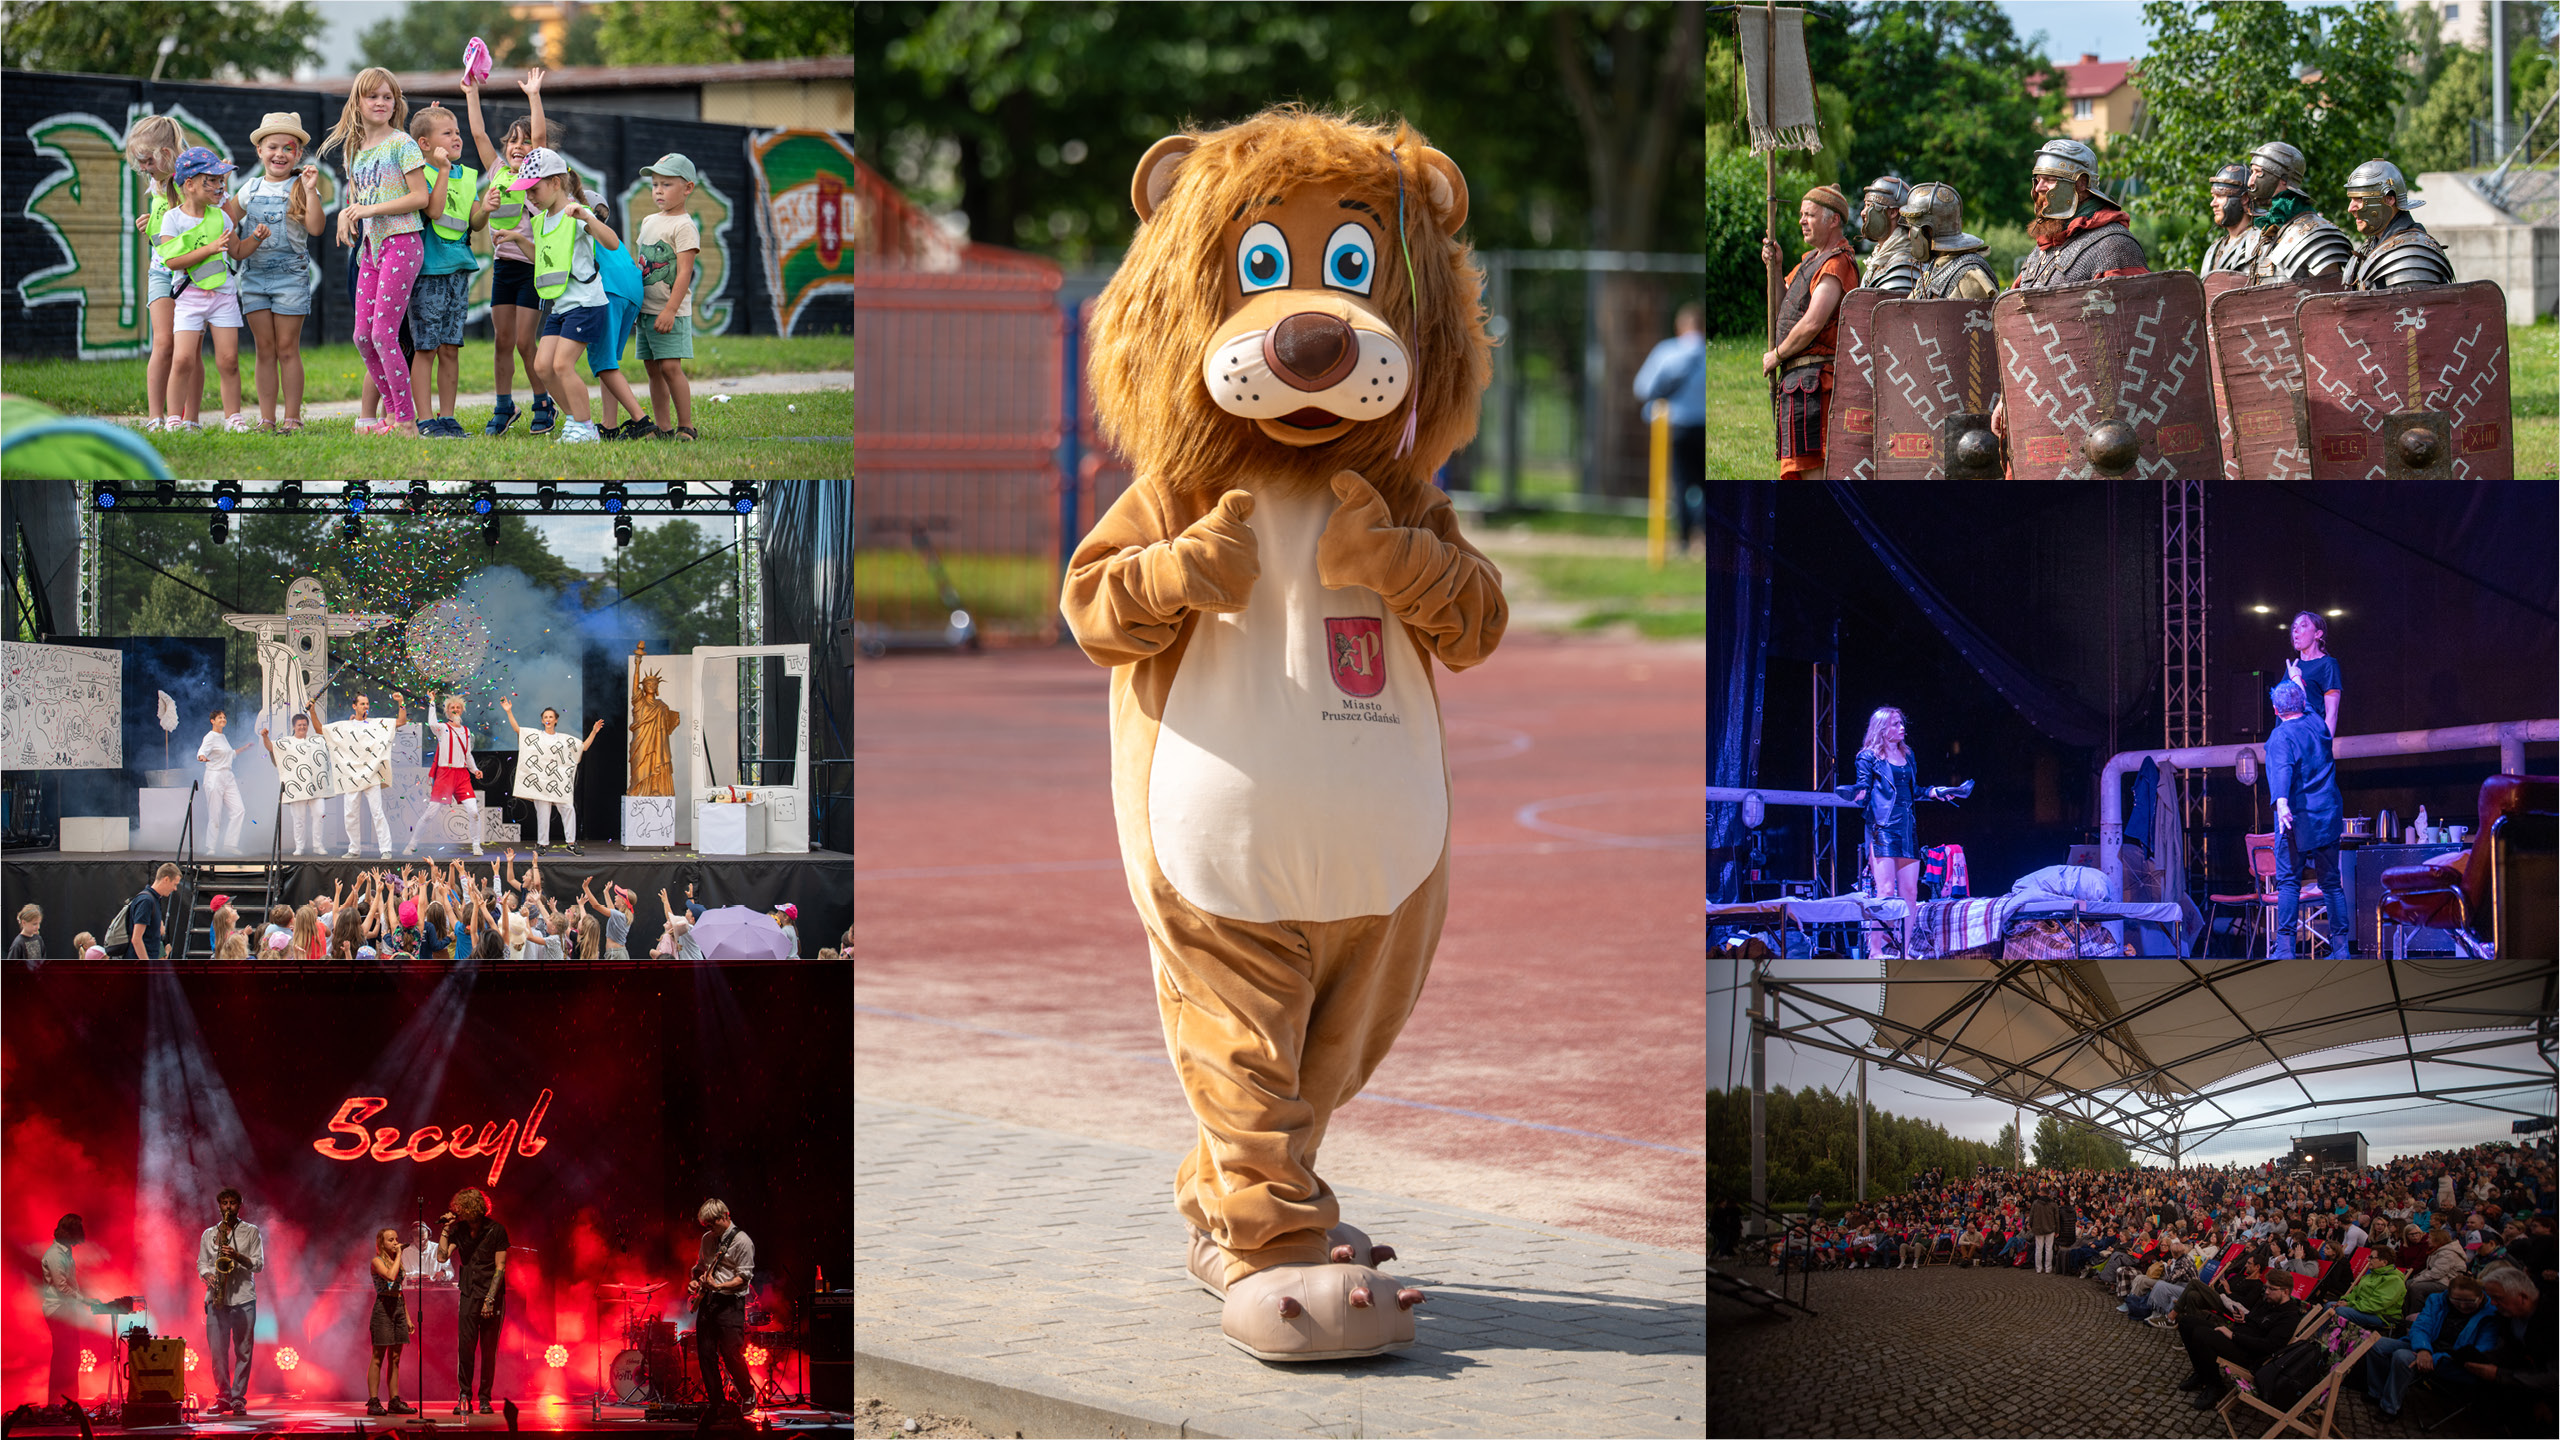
[1294, 343]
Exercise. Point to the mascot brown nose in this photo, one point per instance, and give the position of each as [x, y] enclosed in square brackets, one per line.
[1310, 351]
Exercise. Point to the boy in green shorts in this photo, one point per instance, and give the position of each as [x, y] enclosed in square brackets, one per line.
[669, 241]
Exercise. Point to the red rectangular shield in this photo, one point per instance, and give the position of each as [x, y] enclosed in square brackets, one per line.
[2368, 355]
[2130, 349]
[1932, 359]
[2214, 285]
[1848, 431]
[1355, 650]
[2258, 361]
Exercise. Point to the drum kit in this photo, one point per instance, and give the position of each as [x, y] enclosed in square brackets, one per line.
[658, 1363]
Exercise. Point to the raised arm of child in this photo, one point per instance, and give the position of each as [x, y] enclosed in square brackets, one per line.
[596, 227]
[532, 87]
[479, 133]
[306, 201]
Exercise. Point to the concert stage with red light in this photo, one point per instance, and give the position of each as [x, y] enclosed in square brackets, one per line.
[597, 1107]
[555, 1418]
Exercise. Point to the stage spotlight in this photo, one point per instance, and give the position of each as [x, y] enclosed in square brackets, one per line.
[289, 494]
[168, 492]
[484, 497]
[2336, 612]
[359, 496]
[2260, 610]
[417, 496]
[556, 1357]
[676, 498]
[105, 494]
[489, 532]
[221, 527]
[742, 497]
[226, 495]
[621, 531]
[546, 494]
[613, 497]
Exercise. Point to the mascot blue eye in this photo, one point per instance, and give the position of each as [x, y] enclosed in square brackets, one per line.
[1262, 258]
[1349, 258]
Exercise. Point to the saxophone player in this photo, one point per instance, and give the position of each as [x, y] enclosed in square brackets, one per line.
[228, 1258]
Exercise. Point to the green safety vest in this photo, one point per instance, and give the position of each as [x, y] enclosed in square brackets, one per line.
[213, 269]
[555, 248]
[460, 188]
[159, 207]
[509, 211]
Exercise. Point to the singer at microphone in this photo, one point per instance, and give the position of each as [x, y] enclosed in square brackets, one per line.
[481, 1244]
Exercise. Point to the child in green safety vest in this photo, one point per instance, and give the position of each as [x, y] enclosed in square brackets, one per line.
[199, 244]
[515, 311]
[567, 274]
[441, 300]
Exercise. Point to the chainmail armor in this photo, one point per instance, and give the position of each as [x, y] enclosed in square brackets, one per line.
[2084, 257]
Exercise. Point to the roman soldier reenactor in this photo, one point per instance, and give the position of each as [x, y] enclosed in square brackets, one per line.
[2295, 242]
[2398, 251]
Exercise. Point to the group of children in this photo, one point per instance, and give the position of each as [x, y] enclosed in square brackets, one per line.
[224, 259]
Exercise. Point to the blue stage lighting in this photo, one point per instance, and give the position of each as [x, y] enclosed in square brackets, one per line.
[613, 497]
[742, 497]
[105, 493]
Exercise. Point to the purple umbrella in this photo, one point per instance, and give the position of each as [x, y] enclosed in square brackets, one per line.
[734, 932]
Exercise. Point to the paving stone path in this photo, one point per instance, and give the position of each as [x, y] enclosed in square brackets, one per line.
[1050, 1264]
[1944, 1351]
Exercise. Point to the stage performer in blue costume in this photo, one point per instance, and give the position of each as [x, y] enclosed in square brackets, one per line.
[2310, 811]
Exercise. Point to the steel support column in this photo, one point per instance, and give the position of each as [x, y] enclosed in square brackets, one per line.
[2185, 680]
[1759, 1099]
[1826, 771]
[1862, 1129]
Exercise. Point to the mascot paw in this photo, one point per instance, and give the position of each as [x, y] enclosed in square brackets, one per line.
[1347, 1245]
[1220, 559]
[1361, 544]
[1318, 1312]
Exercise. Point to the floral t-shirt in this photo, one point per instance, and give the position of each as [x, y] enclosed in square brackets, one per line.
[379, 175]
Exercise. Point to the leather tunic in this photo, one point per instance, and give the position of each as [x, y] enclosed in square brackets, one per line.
[1799, 299]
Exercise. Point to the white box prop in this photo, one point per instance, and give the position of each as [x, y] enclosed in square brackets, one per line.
[648, 821]
[94, 832]
[720, 829]
[164, 816]
[711, 729]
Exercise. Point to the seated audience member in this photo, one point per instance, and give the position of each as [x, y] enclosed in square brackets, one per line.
[2445, 1259]
[2411, 1253]
[1969, 1242]
[2455, 1320]
[2377, 1298]
[2244, 1340]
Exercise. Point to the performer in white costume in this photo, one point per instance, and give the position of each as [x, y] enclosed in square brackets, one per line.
[547, 772]
[455, 769]
[302, 772]
[221, 788]
[360, 749]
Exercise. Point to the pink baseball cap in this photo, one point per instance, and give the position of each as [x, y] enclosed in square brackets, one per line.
[540, 163]
[409, 914]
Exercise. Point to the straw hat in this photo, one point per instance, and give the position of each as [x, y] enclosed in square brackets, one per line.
[280, 122]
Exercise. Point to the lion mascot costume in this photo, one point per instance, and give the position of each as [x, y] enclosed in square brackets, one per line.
[1294, 344]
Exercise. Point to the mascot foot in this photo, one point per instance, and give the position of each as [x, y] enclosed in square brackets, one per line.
[1208, 1264]
[1349, 1246]
[1318, 1312]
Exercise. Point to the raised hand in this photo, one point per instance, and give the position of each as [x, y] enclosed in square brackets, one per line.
[531, 84]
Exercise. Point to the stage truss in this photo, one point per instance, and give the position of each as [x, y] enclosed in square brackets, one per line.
[2185, 680]
[1979, 1011]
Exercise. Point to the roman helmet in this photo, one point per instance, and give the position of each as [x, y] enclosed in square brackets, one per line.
[1885, 194]
[2380, 177]
[2067, 161]
[2231, 182]
[2275, 167]
[1936, 208]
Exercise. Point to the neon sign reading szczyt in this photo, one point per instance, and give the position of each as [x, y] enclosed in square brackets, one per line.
[493, 1139]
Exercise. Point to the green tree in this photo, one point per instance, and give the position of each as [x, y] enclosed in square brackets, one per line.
[2006, 1146]
[118, 37]
[432, 37]
[682, 32]
[1958, 109]
[2224, 77]
[697, 607]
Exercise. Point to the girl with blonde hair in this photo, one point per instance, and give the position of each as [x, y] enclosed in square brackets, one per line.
[151, 146]
[387, 189]
[230, 942]
[1888, 781]
[305, 944]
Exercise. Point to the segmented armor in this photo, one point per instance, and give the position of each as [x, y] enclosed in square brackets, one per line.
[2402, 256]
[2302, 247]
[1961, 271]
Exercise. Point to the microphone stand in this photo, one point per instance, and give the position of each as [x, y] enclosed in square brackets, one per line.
[419, 1336]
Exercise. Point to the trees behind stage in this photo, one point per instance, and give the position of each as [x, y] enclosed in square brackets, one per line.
[1812, 1145]
[2077, 1147]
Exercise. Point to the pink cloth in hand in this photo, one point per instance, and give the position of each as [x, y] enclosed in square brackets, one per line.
[475, 61]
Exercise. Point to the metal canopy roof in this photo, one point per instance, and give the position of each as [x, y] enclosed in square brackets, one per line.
[2133, 1045]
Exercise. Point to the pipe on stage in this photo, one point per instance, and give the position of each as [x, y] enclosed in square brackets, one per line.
[2508, 737]
[1733, 795]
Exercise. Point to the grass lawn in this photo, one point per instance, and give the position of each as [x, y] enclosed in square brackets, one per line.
[1741, 442]
[738, 443]
[332, 372]
[1665, 604]
[1008, 593]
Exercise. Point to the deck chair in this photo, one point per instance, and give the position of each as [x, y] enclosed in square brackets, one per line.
[2347, 1345]
[2303, 1285]
[2222, 1268]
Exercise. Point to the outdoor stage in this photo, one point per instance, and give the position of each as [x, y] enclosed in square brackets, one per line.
[81, 890]
[552, 1417]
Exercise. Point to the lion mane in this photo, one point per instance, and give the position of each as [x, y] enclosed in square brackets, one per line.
[1151, 325]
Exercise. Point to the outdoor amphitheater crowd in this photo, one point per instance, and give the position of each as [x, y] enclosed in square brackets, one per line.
[2445, 1259]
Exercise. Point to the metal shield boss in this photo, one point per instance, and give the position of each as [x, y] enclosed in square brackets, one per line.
[2407, 384]
[1848, 431]
[2108, 379]
[2257, 357]
[1936, 373]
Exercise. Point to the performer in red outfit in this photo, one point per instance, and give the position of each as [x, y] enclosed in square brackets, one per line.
[455, 769]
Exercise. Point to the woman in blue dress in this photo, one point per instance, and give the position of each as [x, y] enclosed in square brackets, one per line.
[2314, 668]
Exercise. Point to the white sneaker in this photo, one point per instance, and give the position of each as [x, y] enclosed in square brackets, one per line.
[578, 432]
[352, 853]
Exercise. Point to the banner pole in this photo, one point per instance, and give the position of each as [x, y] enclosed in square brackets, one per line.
[1769, 114]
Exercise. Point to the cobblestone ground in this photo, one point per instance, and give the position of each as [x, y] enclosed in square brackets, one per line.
[1944, 1351]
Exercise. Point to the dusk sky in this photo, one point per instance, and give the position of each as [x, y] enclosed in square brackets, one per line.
[2404, 1125]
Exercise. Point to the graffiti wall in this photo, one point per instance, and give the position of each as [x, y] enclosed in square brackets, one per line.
[772, 208]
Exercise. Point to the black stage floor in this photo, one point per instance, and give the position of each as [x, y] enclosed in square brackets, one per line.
[278, 1416]
[81, 890]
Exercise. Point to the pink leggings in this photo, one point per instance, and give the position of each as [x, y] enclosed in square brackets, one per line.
[384, 275]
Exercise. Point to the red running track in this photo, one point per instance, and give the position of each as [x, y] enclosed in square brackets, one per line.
[1001, 971]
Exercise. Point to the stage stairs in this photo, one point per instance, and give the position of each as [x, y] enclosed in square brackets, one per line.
[1736, 1288]
[246, 881]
